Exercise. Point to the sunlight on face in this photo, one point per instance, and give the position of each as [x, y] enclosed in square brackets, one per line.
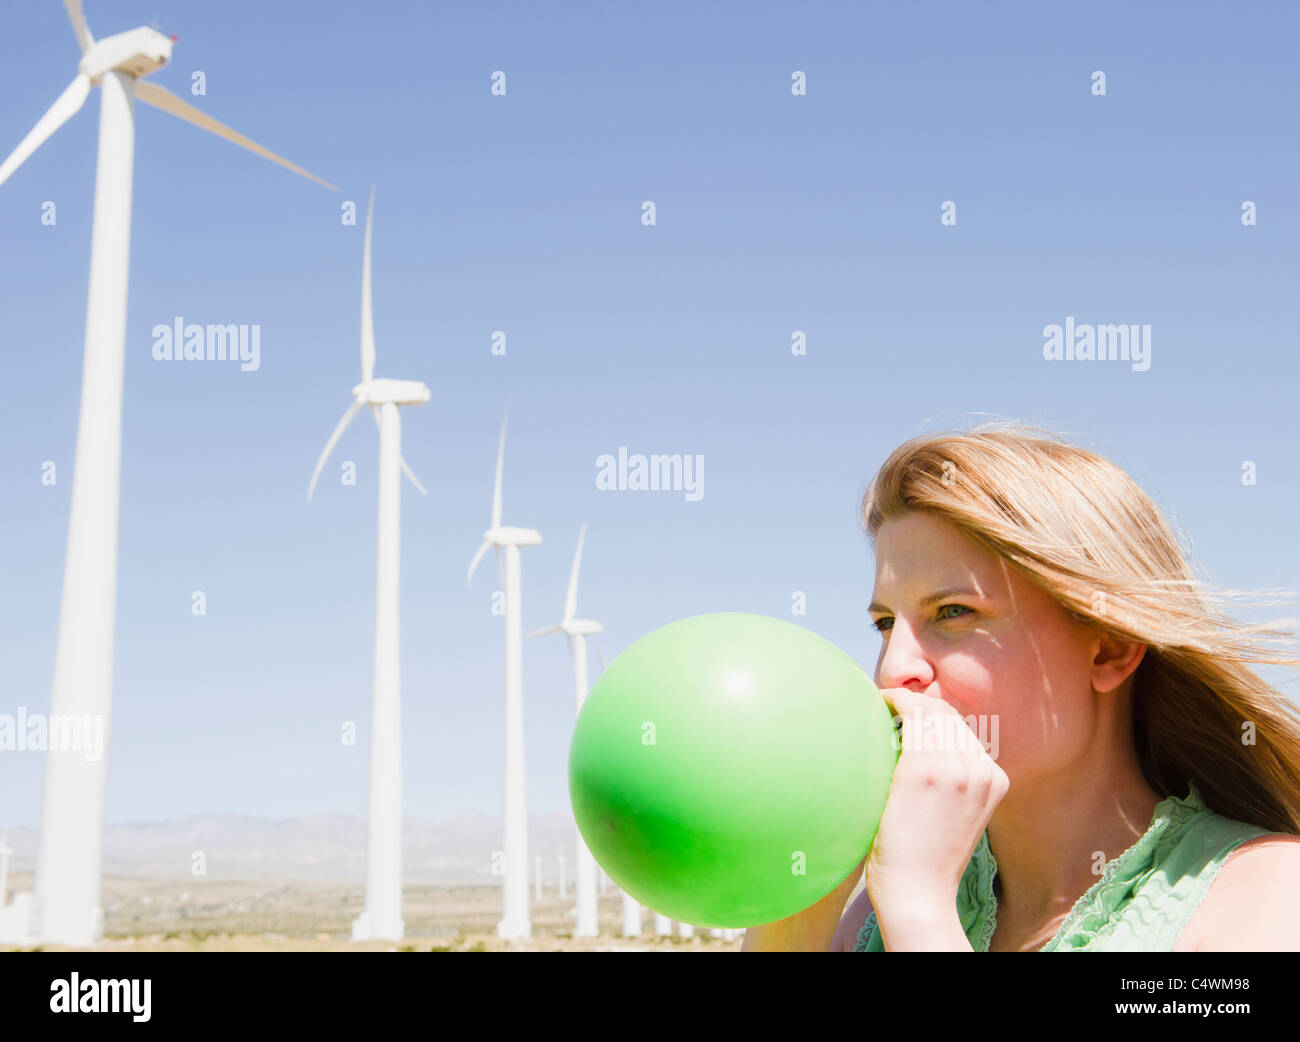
[961, 624]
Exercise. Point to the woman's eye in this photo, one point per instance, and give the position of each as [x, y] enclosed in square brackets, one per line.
[880, 627]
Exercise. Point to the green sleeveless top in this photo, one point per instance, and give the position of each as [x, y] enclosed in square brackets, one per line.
[1143, 899]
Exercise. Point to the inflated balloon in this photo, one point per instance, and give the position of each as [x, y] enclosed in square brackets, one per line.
[730, 770]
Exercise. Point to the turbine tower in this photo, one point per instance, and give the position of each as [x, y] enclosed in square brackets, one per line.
[382, 915]
[5, 851]
[576, 631]
[514, 922]
[66, 908]
[631, 916]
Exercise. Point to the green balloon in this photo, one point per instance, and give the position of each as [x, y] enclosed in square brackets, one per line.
[730, 770]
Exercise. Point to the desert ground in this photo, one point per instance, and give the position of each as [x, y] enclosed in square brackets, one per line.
[214, 915]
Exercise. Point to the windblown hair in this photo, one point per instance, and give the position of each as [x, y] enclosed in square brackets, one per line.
[1079, 528]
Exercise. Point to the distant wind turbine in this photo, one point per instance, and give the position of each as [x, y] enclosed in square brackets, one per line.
[66, 908]
[5, 851]
[514, 922]
[576, 631]
[631, 916]
[382, 915]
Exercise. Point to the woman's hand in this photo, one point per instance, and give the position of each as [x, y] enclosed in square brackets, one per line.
[944, 790]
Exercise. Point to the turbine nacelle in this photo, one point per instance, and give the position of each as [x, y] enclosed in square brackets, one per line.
[505, 535]
[570, 625]
[398, 392]
[499, 535]
[136, 53]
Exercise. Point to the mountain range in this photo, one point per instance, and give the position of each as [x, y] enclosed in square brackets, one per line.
[328, 847]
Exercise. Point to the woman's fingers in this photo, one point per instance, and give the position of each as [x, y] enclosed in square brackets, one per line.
[930, 723]
[940, 745]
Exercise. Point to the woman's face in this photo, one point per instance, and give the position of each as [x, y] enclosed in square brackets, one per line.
[961, 624]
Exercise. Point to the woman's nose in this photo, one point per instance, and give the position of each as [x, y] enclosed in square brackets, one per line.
[903, 662]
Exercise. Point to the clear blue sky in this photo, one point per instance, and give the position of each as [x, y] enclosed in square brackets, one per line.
[522, 213]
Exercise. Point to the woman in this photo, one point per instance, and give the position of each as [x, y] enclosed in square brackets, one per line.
[1146, 788]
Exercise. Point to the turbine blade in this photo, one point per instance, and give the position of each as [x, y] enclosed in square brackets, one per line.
[414, 480]
[329, 445]
[84, 39]
[542, 632]
[161, 98]
[496, 488]
[478, 556]
[601, 649]
[67, 105]
[569, 641]
[571, 600]
[367, 309]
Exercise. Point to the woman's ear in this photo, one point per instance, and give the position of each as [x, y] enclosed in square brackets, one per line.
[1114, 661]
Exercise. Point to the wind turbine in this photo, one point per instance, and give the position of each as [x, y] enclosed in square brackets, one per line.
[382, 916]
[5, 851]
[631, 916]
[576, 631]
[66, 908]
[514, 922]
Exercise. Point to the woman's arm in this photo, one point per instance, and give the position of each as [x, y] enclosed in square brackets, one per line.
[920, 922]
[846, 935]
[1251, 905]
[808, 931]
[811, 930]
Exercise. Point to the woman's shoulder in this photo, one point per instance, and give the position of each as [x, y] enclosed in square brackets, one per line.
[1259, 876]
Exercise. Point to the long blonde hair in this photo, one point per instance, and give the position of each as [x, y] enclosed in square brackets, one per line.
[1077, 526]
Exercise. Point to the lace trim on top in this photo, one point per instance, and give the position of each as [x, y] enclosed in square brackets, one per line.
[1093, 914]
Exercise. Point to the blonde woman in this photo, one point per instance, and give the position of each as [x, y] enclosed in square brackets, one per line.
[1146, 788]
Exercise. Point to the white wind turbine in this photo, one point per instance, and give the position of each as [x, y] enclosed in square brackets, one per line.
[66, 908]
[514, 922]
[5, 851]
[382, 915]
[576, 631]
